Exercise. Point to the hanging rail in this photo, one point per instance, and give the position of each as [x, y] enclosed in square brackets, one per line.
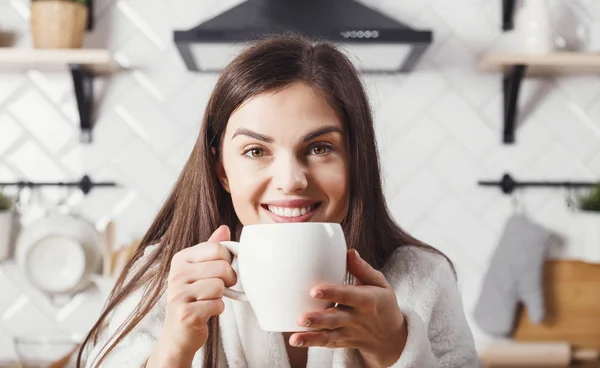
[508, 184]
[85, 184]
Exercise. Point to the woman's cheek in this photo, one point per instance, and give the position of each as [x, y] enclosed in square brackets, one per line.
[333, 182]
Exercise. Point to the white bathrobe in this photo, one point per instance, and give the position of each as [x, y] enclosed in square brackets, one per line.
[427, 293]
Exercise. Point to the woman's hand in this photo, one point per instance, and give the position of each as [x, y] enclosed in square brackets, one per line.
[367, 317]
[196, 281]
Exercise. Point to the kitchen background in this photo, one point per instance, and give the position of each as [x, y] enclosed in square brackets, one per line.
[439, 129]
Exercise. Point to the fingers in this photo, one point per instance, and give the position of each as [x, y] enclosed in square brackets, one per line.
[363, 271]
[330, 319]
[206, 289]
[209, 251]
[188, 273]
[199, 311]
[221, 234]
[350, 295]
[326, 338]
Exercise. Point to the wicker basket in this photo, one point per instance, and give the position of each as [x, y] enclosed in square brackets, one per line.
[58, 24]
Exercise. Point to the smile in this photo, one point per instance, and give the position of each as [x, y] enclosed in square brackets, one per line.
[291, 213]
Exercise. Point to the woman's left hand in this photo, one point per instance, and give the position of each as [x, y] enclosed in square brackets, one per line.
[367, 317]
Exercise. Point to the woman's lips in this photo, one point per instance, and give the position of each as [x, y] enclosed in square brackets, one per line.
[289, 213]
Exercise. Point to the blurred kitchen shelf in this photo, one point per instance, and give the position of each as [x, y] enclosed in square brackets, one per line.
[514, 66]
[549, 64]
[84, 65]
[97, 61]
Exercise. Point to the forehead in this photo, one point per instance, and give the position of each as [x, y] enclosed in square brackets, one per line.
[295, 108]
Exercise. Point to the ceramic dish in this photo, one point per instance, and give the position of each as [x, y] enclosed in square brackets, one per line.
[58, 253]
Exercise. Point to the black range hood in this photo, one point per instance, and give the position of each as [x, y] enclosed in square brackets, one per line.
[375, 42]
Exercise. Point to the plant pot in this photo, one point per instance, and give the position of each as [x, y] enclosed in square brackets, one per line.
[6, 226]
[58, 24]
[587, 235]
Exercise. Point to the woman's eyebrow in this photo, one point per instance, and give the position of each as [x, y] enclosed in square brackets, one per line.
[307, 137]
[251, 134]
[321, 131]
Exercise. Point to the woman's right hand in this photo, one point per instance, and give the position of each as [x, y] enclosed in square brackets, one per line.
[196, 282]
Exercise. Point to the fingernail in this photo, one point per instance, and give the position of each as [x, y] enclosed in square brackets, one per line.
[317, 294]
[358, 259]
[307, 323]
[299, 343]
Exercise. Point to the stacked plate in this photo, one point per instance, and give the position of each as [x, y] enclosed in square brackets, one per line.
[58, 253]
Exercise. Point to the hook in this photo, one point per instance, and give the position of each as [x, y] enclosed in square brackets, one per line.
[517, 202]
[571, 198]
[64, 196]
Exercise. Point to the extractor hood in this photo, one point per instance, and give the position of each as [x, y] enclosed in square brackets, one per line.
[375, 42]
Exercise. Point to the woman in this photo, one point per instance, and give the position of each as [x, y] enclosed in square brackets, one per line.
[287, 136]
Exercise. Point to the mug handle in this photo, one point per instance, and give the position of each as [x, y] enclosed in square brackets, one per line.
[233, 246]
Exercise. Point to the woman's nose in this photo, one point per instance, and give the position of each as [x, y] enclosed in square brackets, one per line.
[289, 175]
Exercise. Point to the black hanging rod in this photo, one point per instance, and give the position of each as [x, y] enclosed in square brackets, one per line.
[85, 184]
[508, 184]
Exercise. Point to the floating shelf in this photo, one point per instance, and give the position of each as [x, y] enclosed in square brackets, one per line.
[84, 65]
[97, 61]
[514, 66]
[549, 64]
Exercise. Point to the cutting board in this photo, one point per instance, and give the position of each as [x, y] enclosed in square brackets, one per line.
[572, 298]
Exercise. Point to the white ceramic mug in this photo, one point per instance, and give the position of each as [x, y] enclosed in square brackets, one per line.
[280, 263]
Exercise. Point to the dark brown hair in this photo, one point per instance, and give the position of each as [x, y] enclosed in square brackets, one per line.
[198, 204]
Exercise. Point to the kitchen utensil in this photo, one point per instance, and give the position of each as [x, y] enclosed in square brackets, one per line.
[535, 354]
[43, 351]
[109, 246]
[120, 262]
[122, 256]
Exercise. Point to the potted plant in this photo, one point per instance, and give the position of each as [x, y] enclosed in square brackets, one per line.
[6, 224]
[58, 24]
[588, 221]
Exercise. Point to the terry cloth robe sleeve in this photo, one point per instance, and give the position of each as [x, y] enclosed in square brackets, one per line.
[428, 296]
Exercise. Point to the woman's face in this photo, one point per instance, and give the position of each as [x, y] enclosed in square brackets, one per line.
[284, 159]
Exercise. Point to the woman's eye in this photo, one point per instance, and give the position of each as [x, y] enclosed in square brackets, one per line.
[320, 149]
[255, 152]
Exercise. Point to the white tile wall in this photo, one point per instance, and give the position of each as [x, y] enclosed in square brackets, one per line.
[439, 131]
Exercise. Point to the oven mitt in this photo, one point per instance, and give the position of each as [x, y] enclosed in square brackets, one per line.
[514, 275]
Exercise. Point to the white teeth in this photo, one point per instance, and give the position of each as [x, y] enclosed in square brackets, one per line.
[289, 212]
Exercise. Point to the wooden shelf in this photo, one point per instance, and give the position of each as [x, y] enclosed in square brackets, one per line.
[97, 61]
[549, 64]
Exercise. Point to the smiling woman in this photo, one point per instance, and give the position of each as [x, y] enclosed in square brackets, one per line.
[287, 137]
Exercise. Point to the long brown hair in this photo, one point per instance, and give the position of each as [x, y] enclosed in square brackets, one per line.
[198, 204]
